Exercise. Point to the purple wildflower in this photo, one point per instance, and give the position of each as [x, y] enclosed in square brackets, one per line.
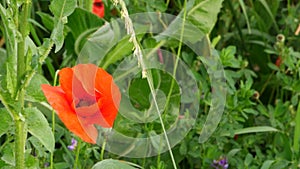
[222, 163]
[73, 144]
[47, 164]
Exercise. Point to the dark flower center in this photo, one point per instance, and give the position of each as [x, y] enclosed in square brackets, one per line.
[84, 103]
[98, 4]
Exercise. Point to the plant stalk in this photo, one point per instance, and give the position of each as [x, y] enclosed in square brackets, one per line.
[20, 137]
[21, 131]
[297, 131]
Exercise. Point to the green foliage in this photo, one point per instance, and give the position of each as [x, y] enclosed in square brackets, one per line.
[111, 164]
[38, 126]
[255, 41]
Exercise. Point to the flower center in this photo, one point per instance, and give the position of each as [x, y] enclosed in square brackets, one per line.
[84, 103]
[98, 4]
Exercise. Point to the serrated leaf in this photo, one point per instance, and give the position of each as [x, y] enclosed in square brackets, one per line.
[62, 8]
[34, 92]
[9, 31]
[38, 127]
[11, 80]
[6, 122]
[112, 164]
[8, 154]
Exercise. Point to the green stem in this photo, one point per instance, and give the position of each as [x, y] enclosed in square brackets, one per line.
[53, 122]
[21, 132]
[103, 149]
[77, 154]
[297, 131]
[20, 138]
[21, 45]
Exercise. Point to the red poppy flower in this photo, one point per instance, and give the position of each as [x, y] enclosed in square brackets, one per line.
[98, 8]
[87, 96]
[278, 61]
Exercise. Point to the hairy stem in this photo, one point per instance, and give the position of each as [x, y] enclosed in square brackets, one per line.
[21, 131]
[20, 137]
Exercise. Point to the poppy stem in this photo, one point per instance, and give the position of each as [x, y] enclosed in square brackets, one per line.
[53, 122]
[103, 148]
[77, 154]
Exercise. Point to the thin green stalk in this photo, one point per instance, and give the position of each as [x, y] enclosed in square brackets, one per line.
[67, 150]
[53, 122]
[297, 131]
[177, 56]
[77, 154]
[146, 73]
[151, 85]
[103, 149]
[235, 20]
[266, 83]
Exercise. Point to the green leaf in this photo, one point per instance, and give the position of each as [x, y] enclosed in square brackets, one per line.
[34, 92]
[38, 126]
[266, 6]
[6, 122]
[8, 154]
[243, 6]
[11, 80]
[200, 20]
[204, 13]
[47, 20]
[248, 159]
[3, 58]
[9, 31]
[81, 20]
[112, 164]
[267, 164]
[58, 35]
[255, 129]
[62, 8]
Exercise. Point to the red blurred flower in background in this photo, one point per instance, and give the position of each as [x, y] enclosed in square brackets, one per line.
[98, 8]
[278, 61]
[87, 96]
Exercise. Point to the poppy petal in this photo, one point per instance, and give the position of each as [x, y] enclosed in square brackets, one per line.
[86, 74]
[71, 85]
[57, 99]
[98, 8]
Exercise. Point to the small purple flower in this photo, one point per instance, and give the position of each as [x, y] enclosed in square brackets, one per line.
[73, 144]
[222, 163]
[47, 164]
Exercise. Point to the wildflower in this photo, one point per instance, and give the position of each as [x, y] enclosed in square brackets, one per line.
[73, 144]
[278, 61]
[87, 96]
[222, 163]
[98, 8]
